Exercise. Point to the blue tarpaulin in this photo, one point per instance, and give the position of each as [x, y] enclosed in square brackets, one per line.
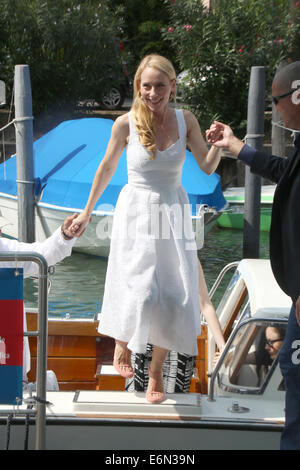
[66, 160]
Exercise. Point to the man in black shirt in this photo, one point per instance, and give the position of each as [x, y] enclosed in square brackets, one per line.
[285, 228]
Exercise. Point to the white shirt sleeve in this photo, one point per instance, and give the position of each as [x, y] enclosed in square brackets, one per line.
[54, 249]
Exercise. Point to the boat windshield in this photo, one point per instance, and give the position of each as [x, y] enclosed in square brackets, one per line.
[252, 353]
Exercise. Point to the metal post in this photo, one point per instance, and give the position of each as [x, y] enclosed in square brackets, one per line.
[24, 151]
[255, 136]
[2, 93]
[42, 354]
[278, 136]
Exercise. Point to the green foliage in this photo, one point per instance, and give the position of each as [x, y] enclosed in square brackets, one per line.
[142, 29]
[219, 48]
[71, 47]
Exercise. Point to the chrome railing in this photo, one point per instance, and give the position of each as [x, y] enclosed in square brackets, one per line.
[220, 277]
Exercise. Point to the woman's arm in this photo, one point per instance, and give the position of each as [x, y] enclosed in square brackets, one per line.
[208, 311]
[208, 160]
[105, 171]
[269, 166]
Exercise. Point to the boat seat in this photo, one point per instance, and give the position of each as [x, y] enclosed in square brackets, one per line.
[108, 378]
[247, 376]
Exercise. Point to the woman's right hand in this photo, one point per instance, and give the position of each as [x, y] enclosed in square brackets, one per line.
[79, 224]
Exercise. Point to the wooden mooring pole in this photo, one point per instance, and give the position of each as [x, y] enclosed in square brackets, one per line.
[278, 135]
[24, 152]
[255, 138]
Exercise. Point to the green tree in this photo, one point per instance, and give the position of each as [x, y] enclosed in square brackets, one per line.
[295, 18]
[71, 46]
[143, 22]
[218, 47]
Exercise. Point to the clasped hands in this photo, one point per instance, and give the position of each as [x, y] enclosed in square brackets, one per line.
[219, 134]
[79, 224]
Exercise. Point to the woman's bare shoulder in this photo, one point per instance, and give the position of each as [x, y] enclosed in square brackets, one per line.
[122, 121]
[190, 120]
[188, 115]
[121, 126]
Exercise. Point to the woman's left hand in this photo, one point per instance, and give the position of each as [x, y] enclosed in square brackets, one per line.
[79, 225]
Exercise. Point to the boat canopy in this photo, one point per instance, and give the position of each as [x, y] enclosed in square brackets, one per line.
[67, 157]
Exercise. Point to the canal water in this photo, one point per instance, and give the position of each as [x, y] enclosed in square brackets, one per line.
[77, 285]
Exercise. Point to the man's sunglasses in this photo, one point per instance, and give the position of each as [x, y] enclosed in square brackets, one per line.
[275, 99]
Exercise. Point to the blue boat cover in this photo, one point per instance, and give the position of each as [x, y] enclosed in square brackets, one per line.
[66, 160]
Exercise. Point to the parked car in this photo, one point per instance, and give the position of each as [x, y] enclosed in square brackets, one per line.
[111, 99]
[113, 85]
[114, 97]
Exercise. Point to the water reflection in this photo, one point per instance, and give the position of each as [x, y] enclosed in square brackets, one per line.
[77, 287]
[78, 282]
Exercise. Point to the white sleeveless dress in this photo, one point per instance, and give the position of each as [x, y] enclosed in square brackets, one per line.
[151, 290]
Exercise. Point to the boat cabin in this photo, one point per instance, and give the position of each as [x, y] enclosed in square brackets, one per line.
[253, 313]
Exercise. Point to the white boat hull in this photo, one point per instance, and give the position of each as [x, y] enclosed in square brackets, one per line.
[122, 421]
[49, 217]
[96, 238]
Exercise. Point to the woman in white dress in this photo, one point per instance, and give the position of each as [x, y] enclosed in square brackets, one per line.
[152, 282]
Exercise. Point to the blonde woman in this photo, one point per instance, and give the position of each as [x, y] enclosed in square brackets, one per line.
[151, 290]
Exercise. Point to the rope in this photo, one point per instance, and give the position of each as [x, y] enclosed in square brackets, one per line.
[8, 424]
[7, 125]
[8, 120]
[16, 120]
[11, 102]
[4, 156]
[278, 124]
[253, 136]
[24, 182]
[29, 407]
[30, 404]
[40, 400]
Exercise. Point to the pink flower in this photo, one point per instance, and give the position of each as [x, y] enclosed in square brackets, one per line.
[241, 49]
[187, 27]
[171, 29]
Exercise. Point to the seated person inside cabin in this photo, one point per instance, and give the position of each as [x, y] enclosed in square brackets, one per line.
[54, 249]
[268, 350]
[256, 348]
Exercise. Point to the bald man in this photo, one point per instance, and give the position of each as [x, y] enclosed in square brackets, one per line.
[285, 228]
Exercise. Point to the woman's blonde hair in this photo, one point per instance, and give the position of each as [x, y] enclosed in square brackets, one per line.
[142, 116]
